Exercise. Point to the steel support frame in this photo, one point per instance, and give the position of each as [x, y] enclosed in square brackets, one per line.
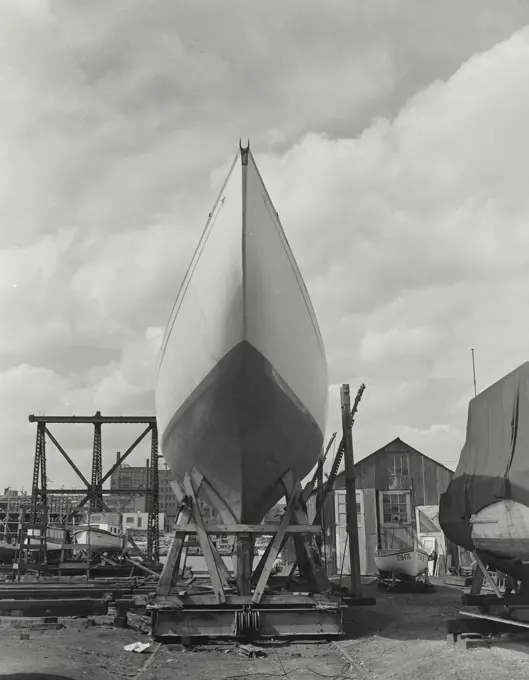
[286, 620]
[93, 490]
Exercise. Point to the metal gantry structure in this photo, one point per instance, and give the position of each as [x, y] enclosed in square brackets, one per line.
[92, 492]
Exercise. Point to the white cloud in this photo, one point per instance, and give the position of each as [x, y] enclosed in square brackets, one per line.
[398, 171]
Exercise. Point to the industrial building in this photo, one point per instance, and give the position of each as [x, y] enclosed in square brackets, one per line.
[397, 496]
[137, 477]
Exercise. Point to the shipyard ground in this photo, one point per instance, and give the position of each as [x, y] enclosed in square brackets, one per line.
[403, 636]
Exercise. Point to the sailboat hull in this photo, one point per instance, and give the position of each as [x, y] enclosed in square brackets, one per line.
[502, 529]
[255, 431]
[241, 395]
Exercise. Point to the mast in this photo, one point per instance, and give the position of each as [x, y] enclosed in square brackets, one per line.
[474, 372]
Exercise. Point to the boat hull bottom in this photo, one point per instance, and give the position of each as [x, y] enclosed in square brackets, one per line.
[242, 429]
[502, 529]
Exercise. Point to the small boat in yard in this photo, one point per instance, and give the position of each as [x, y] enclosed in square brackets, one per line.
[102, 533]
[55, 538]
[406, 564]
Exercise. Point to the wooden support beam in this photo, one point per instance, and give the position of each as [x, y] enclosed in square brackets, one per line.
[170, 569]
[135, 546]
[276, 544]
[244, 563]
[477, 582]
[142, 567]
[350, 493]
[307, 551]
[218, 580]
[221, 565]
[487, 576]
[55, 607]
[216, 529]
[260, 565]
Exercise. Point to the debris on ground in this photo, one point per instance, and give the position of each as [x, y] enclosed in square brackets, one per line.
[139, 647]
[250, 651]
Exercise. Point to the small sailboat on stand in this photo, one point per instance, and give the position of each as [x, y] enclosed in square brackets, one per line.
[406, 564]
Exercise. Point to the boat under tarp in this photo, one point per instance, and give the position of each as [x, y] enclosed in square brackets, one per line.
[241, 393]
[486, 505]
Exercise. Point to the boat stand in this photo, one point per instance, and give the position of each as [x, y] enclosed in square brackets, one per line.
[395, 583]
[499, 611]
[251, 603]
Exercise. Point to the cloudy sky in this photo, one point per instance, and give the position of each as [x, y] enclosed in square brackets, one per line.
[392, 137]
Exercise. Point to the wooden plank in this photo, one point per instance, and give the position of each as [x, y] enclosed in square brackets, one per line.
[312, 554]
[221, 565]
[496, 619]
[244, 563]
[488, 577]
[217, 578]
[266, 529]
[276, 544]
[477, 582]
[260, 565]
[302, 560]
[352, 520]
[171, 566]
[135, 546]
[64, 606]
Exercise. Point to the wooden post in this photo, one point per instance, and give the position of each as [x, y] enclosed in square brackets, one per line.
[218, 580]
[244, 563]
[171, 567]
[350, 493]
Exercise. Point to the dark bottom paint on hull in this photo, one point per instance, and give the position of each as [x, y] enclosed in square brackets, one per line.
[242, 428]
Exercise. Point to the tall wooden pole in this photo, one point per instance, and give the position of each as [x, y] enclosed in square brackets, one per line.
[474, 373]
[350, 493]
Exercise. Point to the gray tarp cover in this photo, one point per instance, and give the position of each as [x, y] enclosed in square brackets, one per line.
[494, 462]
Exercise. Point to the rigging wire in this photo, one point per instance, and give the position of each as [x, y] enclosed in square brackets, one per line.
[342, 675]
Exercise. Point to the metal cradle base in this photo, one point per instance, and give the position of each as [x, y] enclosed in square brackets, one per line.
[294, 616]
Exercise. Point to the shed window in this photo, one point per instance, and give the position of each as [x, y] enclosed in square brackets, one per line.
[395, 508]
[401, 464]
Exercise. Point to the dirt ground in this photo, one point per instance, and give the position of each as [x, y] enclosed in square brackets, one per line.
[403, 636]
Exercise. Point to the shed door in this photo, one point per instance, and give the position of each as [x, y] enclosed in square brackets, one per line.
[395, 520]
[342, 544]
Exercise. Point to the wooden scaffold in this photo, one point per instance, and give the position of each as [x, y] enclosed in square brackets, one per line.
[252, 602]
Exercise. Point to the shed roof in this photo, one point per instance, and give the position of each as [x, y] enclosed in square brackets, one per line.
[383, 450]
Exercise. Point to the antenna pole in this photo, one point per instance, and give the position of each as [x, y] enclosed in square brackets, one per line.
[474, 372]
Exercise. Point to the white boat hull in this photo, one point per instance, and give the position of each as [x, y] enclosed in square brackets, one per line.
[99, 540]
[242, 386]
[502, 529]
[409, 563]
[54, 539]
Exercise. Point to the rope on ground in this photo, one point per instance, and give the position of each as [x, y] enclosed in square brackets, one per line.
[352, 663]
[148, 662]
[342, 675]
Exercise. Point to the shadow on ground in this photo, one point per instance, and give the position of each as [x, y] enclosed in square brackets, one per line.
[402, 616]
